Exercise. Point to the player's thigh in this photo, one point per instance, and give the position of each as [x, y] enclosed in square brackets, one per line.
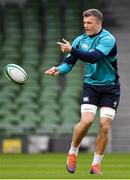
[111, 97]
[88, 112]
[89, 103]
[90, 95]
[105, 124]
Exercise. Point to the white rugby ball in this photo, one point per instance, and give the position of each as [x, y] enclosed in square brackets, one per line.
[15, 73]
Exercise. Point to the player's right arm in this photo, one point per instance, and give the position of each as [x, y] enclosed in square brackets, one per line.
[63, 68]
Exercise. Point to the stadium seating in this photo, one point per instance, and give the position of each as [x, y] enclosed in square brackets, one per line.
[45, 105]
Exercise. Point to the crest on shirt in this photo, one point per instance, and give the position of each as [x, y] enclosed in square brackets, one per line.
[84, 46]
[91, 50]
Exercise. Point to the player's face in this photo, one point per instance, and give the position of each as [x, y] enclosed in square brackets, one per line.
[91, 25]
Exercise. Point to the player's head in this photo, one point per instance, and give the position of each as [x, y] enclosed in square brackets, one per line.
[92, 19]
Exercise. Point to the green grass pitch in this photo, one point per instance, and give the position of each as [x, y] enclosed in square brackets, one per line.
[52, 166]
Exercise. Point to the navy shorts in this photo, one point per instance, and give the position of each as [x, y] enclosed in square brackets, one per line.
[101, 96]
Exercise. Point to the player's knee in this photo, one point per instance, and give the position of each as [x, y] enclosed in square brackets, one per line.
[88, 112]
[87, 120]
[104, 128]
[85, 123]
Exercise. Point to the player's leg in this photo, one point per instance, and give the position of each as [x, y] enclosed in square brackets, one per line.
[88, 111]
[82, 127]
[106, 116]
[87, 117]
[109, 101]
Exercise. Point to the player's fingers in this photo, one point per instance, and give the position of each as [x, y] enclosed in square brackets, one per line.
[65, 41]
[53, 69]
[60, 43]
[63, 46]
[47, 72]
[56, 73]
[62, 49]
[50, 71]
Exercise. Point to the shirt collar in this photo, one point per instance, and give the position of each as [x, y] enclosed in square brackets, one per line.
[96, 34]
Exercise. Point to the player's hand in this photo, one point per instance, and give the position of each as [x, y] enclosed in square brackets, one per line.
[52, 71]
[65, 46]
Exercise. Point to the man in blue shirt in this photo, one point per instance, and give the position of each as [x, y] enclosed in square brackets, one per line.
[97, 49]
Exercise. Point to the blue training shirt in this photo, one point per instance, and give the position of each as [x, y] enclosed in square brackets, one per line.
[102, 72]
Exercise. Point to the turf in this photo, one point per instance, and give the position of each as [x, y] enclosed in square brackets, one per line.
[52, 166]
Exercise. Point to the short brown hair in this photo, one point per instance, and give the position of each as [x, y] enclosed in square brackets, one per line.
[93, 12]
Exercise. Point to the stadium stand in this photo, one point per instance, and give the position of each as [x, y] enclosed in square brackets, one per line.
[28, 36]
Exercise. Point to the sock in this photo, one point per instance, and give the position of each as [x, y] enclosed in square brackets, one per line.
[97, 159]
[74, 150]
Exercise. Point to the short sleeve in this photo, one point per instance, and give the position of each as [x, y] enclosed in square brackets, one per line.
[106, 44]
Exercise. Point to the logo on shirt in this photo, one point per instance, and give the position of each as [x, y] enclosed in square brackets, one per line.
[85, 46]
[86, 99]
[91, 50]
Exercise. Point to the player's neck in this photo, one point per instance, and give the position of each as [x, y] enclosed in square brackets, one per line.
[99, 31]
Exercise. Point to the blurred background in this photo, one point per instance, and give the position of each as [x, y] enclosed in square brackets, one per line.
[40, 115]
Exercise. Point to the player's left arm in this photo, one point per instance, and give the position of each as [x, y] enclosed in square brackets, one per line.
[104, 47]
[92, 56]
[86, 56]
